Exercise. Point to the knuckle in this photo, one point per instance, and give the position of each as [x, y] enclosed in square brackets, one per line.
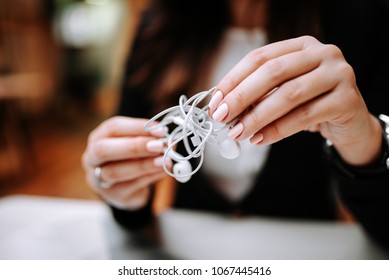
[100, 150]
[275, 69]
[275, 131]
[92, 135]
[131, 148]
[309, 40]
[333, 51]
[347, 72]
[239, 95]
[145, 165]
[136, 146]
[227, 84]
[112, 122]
[304, 114]
[255, 119]
[257, 57]
[291, 92]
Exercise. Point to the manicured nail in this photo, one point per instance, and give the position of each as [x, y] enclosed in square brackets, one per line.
[160, 131]
[236, 131]
[154, 146]
[215, 100]
[257, 138]
[220, 113]
[158, 162]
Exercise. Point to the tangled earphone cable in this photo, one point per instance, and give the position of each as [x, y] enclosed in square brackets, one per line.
[194, 128]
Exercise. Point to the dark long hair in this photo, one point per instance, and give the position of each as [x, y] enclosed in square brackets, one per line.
[176, 41]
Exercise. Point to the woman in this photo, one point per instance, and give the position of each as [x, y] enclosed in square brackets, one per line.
[294, 86]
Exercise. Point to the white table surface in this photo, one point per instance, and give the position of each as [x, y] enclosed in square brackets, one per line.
[53, 228]
[47, 228]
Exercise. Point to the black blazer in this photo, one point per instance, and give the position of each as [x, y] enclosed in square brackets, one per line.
[299, 181]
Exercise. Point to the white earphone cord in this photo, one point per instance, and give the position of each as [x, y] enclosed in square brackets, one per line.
[190, 120]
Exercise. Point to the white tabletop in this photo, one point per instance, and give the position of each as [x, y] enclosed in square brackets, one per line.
[262, 238]
[53, 228]
[46, 228]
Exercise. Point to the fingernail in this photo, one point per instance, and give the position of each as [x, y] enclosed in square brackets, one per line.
[154, 146]
[220, 113]
[160, 131]
[158, 162]
[236, 131]
[215, 100]
[257, 138]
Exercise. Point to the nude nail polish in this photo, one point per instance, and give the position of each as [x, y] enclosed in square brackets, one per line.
[236, 131]
[160, 132]
[154, 146]
[215, 100]
[158, 162]
[220, 113]
[257, 138]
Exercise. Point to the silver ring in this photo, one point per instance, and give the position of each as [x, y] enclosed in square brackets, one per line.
[99, 181]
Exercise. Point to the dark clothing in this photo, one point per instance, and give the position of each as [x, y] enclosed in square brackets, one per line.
[298, 180]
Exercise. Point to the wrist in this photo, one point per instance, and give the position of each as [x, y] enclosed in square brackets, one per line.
[365, 150]
[379, 166]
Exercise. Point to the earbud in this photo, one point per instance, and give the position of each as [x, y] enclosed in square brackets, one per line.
[194, 129]
[178, 120]
[229, 149]
[182, 171]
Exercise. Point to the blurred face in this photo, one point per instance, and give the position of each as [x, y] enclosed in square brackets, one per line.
[248, 13]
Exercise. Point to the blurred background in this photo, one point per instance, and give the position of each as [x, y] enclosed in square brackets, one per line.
[61, 64]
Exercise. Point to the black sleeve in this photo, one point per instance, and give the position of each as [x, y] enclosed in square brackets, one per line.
[134, 220]
[368, 200]
[365, 192]
[134, 103]
[364, 39]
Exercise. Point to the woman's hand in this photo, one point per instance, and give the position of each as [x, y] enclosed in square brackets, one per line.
[130, 160]
[294, 85]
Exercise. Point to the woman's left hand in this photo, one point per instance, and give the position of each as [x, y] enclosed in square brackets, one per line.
[294, 85]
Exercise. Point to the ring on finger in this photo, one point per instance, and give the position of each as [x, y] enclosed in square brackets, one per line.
[99, 181]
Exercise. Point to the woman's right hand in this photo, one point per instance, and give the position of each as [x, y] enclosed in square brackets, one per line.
[130, 160]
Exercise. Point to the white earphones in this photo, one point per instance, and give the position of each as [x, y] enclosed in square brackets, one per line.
[182, 171]
[229, 149]
[191, 123]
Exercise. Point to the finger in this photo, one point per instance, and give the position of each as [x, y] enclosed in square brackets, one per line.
[284, 99]
[123, 148]
[122, 171]
[115, 184]
[255, 59]
[137, 199]
[123, 126]
[270, 75]
[314, 113]
[131, 195]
